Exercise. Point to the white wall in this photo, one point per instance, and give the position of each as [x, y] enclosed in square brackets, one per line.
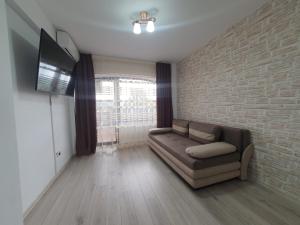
[113, 66]
[36, 16]
[32, 112]
[36, 144]
[63, 129]
[10, 196]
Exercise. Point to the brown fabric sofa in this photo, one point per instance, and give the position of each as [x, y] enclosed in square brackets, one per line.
[172, 146]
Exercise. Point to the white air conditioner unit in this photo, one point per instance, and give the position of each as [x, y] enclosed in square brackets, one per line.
[66, 42]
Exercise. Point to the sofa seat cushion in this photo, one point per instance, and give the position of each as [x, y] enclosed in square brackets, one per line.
[176, 144]
[210, 150]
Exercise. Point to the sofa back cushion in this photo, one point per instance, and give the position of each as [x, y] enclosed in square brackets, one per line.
[240, 138]
[205, 133]
[180, 126]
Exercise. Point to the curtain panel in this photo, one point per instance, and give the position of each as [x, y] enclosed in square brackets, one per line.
[164, 95]
[85, 106]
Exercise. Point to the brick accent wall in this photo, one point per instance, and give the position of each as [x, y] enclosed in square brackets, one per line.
[250, 77]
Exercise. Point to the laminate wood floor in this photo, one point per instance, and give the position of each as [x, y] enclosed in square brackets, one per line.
[135, 187]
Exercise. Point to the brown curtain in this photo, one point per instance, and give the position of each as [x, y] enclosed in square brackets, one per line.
[164, 95]
[85, 106]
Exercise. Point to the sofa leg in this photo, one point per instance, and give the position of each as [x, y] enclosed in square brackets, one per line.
[247, 154]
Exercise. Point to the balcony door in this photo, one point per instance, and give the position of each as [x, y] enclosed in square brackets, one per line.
[126, 109]
[106, 106]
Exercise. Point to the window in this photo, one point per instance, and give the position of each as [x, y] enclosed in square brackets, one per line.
[124, 103]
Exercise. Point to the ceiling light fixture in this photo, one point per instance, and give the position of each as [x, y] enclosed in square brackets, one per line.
[137, 28]
[144, 19]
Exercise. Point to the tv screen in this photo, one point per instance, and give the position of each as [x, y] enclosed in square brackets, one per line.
[55, 68]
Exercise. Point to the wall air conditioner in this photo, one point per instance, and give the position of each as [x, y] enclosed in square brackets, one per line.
[66, 42]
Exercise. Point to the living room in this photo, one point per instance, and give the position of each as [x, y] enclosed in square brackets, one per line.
[150, 112]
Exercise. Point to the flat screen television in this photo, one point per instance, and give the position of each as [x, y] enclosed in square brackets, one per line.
[55, 68]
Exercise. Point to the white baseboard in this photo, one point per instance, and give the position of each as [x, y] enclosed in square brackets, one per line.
[51, 182]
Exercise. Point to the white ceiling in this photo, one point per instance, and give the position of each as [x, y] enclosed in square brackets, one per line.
[103, 27]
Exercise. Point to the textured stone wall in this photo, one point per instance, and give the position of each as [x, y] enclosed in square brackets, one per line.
[250, 77]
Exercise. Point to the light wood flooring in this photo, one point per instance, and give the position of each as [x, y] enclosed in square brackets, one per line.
[135, 187]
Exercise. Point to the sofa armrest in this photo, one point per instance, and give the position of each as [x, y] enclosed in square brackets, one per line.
[246, 156]
[210, 150]
[160, 130]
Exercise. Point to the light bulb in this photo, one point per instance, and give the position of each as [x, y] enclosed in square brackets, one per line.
[137, 28]
[150, 26]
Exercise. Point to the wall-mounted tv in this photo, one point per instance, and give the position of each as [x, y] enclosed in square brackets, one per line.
[55, 68]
